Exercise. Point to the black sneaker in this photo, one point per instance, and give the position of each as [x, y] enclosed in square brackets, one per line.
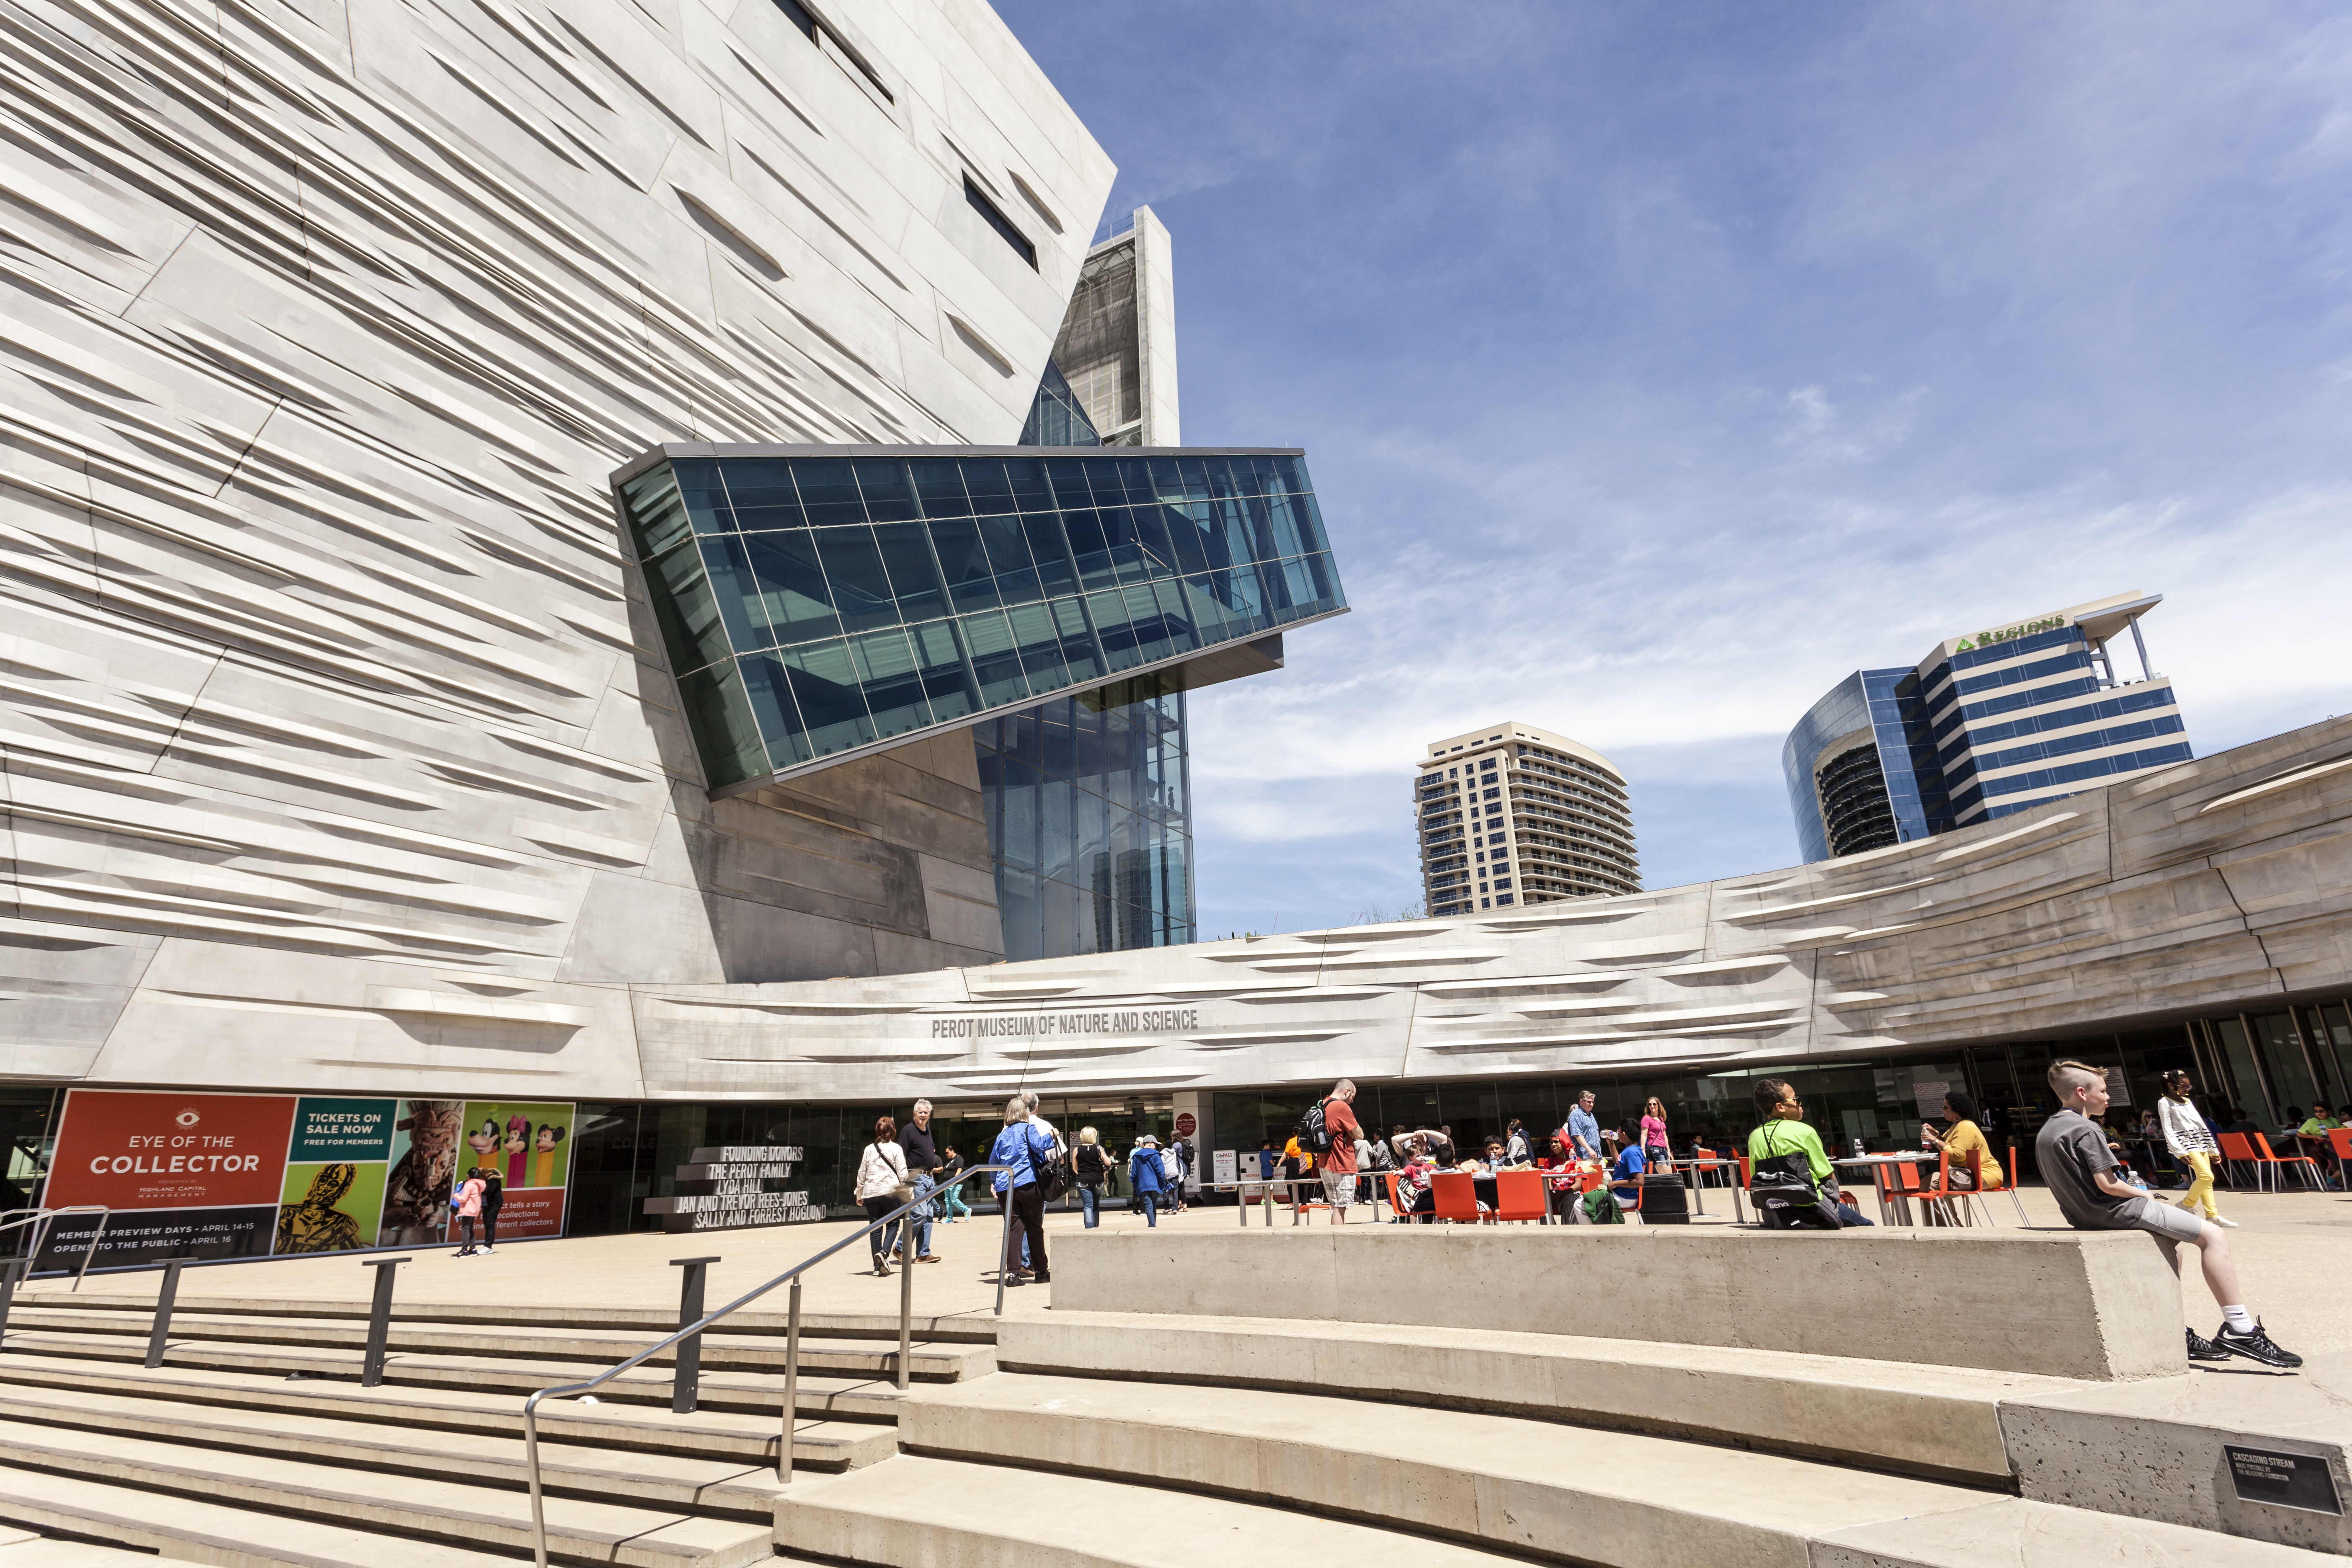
[2202, 1349]
[2254, 1346]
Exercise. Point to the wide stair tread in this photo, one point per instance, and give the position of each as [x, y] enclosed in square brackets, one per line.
[25, 1549]
[737, 1351]
[976, 1326]
[450, 1508]
[836, 1396]
[919, 1513]
[740, 1484]
[193, 1530]
[221, 1396]
[1514, 1482]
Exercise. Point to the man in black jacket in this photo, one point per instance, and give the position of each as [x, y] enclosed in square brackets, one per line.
[915, 1142]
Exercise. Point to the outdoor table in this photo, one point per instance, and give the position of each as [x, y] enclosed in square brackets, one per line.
[1900, 1203]
[1699, 1201]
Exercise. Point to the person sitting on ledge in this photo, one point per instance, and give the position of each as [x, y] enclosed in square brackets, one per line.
[2082, 1172]
[1792, 1179]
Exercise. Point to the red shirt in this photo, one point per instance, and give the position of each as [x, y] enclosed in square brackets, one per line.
[1340, 1122]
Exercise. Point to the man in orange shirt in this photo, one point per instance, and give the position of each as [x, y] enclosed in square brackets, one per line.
[1339, 1164]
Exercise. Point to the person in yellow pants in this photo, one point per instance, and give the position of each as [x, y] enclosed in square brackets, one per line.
[2192, 1143]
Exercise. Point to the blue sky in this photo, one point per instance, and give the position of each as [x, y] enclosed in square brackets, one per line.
[1659, 363]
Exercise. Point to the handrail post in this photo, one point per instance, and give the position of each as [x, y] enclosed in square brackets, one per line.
[1004, 1245]
[379, 1321]
[531, 1463]
[104, 1215]
[906, 1301]
[164, 1297]
[686, 1377]
[11, 1271]
[791, 1384]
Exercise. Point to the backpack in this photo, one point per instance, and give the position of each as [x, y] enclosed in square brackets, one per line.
[1314, 1136]
[1053, 1172]
[1782, 1180]
[1170, 1171]
[1600, 1207]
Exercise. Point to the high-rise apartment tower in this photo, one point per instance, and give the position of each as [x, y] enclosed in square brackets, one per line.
[1512, 815]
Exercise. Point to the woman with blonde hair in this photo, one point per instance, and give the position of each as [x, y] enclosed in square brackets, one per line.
[1655, 1153]
[2190, 1141]
[1090, 1168]
[1024, 1150]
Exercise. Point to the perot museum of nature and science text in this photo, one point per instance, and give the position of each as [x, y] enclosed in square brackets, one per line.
[582, 587]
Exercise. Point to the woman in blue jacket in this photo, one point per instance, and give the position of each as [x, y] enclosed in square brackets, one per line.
[1144, 1169]
[1027, 1151]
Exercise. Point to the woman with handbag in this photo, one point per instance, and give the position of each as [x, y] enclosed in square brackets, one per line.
[882, 1185]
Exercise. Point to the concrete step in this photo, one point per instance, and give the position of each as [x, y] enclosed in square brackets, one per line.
[195, 1530]
[1937, 1422]
[25, 1549]
[738, 1487]
[965, 1327]
[934, 1513]
[708, 1433]
[2013, 1532]
[450, 1508]
[1506, 1482]
[739, 1351]
[838, 1399]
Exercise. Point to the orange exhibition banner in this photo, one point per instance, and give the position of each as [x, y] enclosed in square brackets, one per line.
[148, 1149]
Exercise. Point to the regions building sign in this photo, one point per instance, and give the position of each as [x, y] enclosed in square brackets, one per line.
[2007, 634]
[186, 1175]
[734, 1186]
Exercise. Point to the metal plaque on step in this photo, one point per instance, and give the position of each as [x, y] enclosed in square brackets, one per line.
[2284, 1481]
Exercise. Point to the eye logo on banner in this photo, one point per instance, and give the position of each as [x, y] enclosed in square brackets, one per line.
[242, 1176]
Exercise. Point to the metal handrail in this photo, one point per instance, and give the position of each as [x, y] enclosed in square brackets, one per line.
[40, 1237]
[792, 1342]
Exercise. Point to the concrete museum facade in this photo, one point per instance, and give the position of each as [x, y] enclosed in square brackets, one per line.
[361, 813]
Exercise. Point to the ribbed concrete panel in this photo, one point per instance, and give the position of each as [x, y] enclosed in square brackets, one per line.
[323, 325]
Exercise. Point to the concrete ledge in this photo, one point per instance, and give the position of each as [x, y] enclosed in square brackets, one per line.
[2099, 1305]
[2154, 1450]
[1939, 1422]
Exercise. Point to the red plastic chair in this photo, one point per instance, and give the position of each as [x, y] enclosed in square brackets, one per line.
[1454, 1197]
[2340, 1140]
[1519, 1197]
[2310, 1174]
[2238, 1150]
[1395, 1212]
[1942, 1191]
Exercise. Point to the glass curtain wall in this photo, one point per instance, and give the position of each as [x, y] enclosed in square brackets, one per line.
[1088, 825]
[815, 605]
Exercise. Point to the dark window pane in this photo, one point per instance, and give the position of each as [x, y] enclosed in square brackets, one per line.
[940, 666]
[683, 604]
[888, 497]
[1049, 547]
[724, 732]
[885, 662]
[939, 487]
[1030, 490]
[965, 564]
[914, 581]
[735, 593]
[853, 568]
[989, 636]
[1040, 645]
[791, 585]
[824, 686]
[984, 480]
[829, 491]
[772, 706]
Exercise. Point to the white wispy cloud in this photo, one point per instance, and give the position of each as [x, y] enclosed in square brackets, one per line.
[1659, 365]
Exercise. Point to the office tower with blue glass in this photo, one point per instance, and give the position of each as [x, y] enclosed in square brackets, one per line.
[1989, 723]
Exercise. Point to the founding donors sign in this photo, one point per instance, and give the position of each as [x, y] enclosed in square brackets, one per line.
[189, 1175]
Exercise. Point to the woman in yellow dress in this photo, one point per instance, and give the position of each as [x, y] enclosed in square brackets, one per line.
[1961, 1134]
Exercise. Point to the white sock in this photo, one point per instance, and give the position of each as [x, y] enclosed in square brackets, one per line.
[2239, 1319]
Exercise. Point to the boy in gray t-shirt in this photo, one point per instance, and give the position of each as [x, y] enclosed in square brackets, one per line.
[2071, 1153]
